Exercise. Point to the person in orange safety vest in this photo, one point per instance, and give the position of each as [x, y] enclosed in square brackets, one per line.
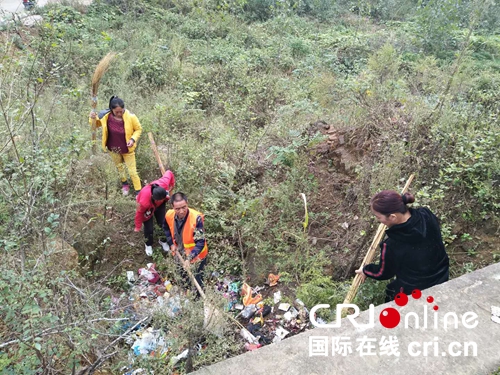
[184, 231]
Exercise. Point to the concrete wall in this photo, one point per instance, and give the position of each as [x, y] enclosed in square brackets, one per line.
[471, 295]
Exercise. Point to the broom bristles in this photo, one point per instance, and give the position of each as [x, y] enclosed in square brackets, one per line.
[101, 68]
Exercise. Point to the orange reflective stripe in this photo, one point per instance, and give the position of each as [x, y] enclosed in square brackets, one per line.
[187, 232]
[201, 255]
[169, 218]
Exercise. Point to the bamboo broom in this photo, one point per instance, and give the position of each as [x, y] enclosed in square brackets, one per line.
[370, 254]
[100, 69]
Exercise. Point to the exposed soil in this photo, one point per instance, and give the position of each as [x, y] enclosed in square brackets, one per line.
[334, 163]
[104, 237]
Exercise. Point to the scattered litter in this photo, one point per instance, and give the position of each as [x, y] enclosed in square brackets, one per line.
[291, 314]
[248, 299]
[280, 334]
[168, 285]
[248, 336]
[248, 311]
[272, 279]
[284, 306]
[277, 297]
[320, 321]
[345, 225]
[177, 358]
[149, 293]
[234, 287]
[254, 329]
[299, 302]
[258, 320]
[173, 306]
[264, 310]
[230, 290]
[136, 372]
[130, 276]
[257, 289]
[149, 273]
[149, 341]
[251, 347]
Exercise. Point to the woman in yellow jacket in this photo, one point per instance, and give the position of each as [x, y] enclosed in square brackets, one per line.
[121, 130]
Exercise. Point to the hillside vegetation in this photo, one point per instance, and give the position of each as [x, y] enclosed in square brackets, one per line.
[251, 103]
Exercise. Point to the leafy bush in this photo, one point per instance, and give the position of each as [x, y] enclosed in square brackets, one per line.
[233, 92]
[475, 168]
[151, 69]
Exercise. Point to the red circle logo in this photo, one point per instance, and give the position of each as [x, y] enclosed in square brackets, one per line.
[389, 317]
[401, 299]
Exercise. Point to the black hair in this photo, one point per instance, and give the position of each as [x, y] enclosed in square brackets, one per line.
[389, 201]
[178, 197]
[158, 193]
[115, 101]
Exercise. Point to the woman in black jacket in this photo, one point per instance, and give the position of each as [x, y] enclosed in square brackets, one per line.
[413, 252]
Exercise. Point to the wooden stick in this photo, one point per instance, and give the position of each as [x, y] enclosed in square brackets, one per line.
[157, 155]
[370, 254]
[190, 274]
[202, 293]
[94, 126]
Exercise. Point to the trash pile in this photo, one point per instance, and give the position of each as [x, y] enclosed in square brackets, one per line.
[265, 323]
[264, 320]
[148, 293]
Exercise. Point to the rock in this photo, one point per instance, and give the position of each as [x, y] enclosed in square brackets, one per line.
[62, 254]
[31, 21]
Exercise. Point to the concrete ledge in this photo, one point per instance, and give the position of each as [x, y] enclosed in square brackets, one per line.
[475, 292]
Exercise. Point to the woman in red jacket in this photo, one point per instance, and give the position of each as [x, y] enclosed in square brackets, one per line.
[151, 202]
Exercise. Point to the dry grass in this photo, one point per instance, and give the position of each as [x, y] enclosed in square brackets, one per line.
[101, 68]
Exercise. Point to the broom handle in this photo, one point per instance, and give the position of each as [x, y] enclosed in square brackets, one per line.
[370, 254]
[94, 126]
[191, 276]
[157, 155]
